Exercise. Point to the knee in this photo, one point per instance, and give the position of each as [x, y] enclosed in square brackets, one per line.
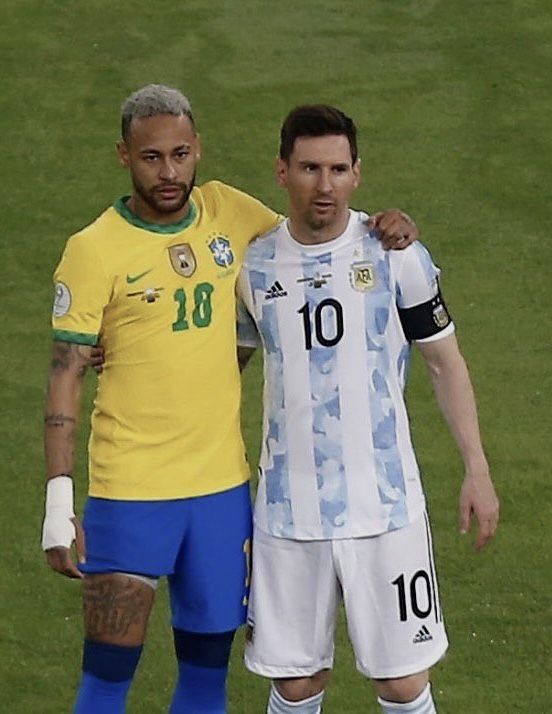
[403, 689]
[111, 663]
[300, 688]
[211, 650]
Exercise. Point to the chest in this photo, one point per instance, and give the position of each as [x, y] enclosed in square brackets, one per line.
[323, 301]
[181, 281]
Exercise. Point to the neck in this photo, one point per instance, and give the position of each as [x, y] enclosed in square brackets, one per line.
[146, 213]
[309, 234]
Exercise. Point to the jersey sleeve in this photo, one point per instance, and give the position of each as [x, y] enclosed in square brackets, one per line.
[248, 334]
[422, 309]
[82, 290]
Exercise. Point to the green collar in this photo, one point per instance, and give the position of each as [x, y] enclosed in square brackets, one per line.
[124, 211]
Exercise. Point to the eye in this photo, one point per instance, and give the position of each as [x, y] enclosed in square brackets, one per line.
[181, 154]
[149, 157]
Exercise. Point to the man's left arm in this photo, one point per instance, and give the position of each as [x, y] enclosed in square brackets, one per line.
[455, 396]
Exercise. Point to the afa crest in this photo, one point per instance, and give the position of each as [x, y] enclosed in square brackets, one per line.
[222, 251]
[362, 276]
[440, 316]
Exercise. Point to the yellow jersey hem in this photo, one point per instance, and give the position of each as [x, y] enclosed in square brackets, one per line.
[114, 492]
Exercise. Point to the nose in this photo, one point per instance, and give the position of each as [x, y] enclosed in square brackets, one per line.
[168, 170]
[324, 181]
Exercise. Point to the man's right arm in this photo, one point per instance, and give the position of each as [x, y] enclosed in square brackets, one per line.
[63, 398]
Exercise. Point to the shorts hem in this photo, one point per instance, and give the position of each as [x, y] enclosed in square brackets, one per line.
[406, 670]
[284, 672]
[203, 627]
[94, 568]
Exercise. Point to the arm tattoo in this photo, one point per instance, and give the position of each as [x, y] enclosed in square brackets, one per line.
[65, 356]
[61, 358]
[113, 606]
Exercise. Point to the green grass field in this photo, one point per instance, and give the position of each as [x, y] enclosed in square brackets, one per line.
[453, 104]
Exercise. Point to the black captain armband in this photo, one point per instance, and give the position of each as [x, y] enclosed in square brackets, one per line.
[425, 320]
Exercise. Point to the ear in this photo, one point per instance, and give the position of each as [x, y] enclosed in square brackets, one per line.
[198, 148]
[281, 172]
[356, 172]
[122, 151]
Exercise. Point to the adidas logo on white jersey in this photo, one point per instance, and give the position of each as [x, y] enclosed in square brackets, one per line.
[423, 635]
[276, 290]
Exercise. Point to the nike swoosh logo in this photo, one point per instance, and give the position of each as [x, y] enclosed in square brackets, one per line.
[133, 278]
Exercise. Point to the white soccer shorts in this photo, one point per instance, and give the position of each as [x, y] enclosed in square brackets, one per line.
[389, 589]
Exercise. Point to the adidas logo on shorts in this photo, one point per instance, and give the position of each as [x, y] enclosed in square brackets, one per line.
[276, 290]
[423, 635]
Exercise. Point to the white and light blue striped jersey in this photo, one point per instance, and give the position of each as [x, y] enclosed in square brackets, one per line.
[337, 459]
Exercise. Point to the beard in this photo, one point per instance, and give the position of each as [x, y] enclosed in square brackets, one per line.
[316, 222]
[155, 201]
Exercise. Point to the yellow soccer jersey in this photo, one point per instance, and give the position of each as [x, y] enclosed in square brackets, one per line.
[161, 301]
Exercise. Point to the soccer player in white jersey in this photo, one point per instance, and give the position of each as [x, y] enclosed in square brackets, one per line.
[340, 510]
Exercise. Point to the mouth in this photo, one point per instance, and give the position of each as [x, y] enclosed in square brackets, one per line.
[323, 205]
[168, 193]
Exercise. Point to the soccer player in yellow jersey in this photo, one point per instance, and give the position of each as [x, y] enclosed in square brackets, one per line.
[153, 277]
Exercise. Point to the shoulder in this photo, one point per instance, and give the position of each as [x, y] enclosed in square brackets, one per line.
[219, 194]
[263, 247]
[414, 252]
[358, 232]
[86, 250]
[245, 215]
[416, 255]
[100, 228]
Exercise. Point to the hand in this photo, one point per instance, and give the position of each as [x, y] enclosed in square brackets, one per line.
[97, 359]
[59, 558]
[395, 228]
[478, 498]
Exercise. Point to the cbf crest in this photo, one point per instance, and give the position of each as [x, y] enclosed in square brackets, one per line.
[362, 276]
[183, 259]
[221, 249]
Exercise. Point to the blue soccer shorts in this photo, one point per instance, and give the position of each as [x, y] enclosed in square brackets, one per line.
[202, 544]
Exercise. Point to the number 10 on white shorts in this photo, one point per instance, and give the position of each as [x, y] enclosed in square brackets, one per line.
[387, 584]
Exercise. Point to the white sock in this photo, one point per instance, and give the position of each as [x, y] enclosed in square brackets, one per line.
[278, 705]
[423, 704]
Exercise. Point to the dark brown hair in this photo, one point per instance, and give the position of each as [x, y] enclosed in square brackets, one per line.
[316, 120]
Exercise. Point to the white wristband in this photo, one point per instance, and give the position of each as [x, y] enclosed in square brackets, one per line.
[58, 528]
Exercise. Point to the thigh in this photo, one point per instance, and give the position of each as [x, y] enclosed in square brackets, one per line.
[392, 601]
[292, 609]
[210, 584]
[116, 608]
[141, 537]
